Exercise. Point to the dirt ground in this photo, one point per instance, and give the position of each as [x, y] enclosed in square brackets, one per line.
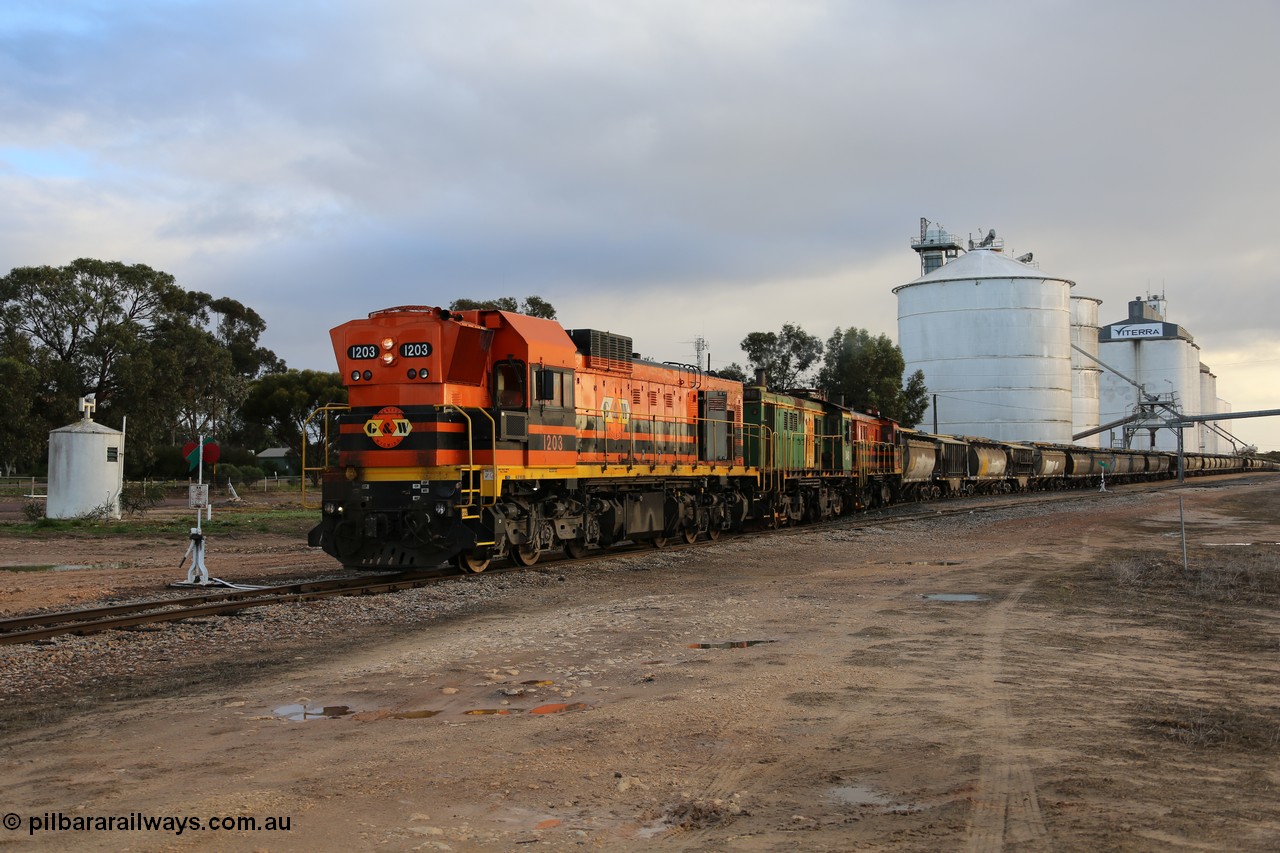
[798, 692]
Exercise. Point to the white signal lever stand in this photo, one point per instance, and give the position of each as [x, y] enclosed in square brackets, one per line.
[198, 499]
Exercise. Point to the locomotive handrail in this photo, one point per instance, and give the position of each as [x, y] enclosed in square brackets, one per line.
[326, 408]
[696, 370]
[473, 489]
[493, 433]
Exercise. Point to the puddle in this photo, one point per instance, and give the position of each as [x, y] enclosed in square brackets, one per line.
[558, 708]
[303, 713]
[480, 712]
[1237, 544]
[955, 596]
[413, 715]
[732, 644]
[44, 568]
[865, 795]
[537, 683]
[62, 567]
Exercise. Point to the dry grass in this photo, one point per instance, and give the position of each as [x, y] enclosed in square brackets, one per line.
[1244, 575]
[1221, 726]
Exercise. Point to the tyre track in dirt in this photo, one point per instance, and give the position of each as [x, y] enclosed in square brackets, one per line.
[1006, 807]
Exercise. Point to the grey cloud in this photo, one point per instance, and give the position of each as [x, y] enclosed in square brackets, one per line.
[576, 148]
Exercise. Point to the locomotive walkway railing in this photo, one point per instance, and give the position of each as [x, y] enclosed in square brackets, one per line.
[471, 485]
[307, 471]
[619, 437]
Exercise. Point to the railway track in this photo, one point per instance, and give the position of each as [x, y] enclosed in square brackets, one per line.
[42, 626]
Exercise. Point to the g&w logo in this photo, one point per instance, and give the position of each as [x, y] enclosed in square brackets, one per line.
[388, 427]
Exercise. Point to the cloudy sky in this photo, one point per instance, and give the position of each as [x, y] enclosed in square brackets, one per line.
[661, 168]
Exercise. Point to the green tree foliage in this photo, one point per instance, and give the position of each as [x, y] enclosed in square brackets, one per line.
[734, 371]
[534, 306]
[176, 363]
[83, 320]
[865, 372]
[279, 404]
[22, 431]
[784, 355]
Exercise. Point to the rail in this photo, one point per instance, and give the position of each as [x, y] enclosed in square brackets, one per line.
[23, 629]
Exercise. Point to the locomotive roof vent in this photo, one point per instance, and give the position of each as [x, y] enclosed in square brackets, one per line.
[603, 349]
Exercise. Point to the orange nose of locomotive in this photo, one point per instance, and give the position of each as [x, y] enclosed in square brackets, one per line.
[394, 356]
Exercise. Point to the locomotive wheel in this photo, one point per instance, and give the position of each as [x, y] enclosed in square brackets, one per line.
[474, 561]
[575, 549]
[347, 538]
[659, 541]
[713, 532]
[689, 535]
[524, 555]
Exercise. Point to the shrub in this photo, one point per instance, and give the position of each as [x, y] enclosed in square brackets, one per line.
[137, 498]
[252, 473]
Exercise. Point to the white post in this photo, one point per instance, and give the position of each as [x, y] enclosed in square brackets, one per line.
[198, 574]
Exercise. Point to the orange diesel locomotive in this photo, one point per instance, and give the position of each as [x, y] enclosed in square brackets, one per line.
[479, 435]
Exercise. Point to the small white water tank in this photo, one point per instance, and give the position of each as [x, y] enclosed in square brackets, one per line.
[86, 468]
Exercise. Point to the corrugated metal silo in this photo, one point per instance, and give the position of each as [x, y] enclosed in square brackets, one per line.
[992, 336]
[1207, 436]
[1159, 355]
[1084, 370]
[86, 469]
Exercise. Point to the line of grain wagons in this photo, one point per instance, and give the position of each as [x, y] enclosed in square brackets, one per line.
[935, 466]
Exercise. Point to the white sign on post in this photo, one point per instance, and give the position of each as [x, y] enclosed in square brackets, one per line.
[198, 495]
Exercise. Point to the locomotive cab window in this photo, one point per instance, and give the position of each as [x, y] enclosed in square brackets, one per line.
[553, 387]
[508, 384]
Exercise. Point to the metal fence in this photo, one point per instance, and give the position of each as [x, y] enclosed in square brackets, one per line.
[37, 488]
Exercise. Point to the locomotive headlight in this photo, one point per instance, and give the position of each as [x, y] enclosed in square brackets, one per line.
[330, 508]
[388, 358]
[388, 344]
[441, 508]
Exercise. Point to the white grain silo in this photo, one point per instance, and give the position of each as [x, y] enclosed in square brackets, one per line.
[1160, 356]
[1207, 437]
[1222, 407]
[993, 338]
[86, 468]
[1085, 370]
